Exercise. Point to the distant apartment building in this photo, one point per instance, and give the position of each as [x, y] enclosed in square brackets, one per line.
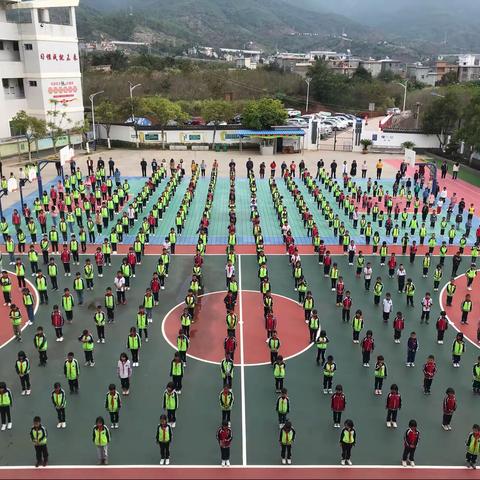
[468, 68]
[245, 63]
[422, 74]
[374, 67]
[394, 66]
[39, 61]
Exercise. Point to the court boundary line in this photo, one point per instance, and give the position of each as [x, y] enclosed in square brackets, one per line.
[442, 308]
[35, 310]
[242, 366]
[238, 467]
[218, 363]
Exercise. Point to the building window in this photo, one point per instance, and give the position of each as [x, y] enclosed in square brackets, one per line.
[32, 83]
[5, 82]
[1, 45]
[15, 46]
[28, 46]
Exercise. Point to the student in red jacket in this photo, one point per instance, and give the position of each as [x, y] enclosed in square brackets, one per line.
[65, 258]
[410, 443]
[230, 344]
[441, 326]
[346, 306]
[368, 345]
[394, 404]
[398, 326]
[449, 407]
[224, 437]
[429, 371]
[57, 322]
[338, 404]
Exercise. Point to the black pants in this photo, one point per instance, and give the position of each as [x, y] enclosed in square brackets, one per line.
[43, 357]
[73, 384]
[392, 415]
[327, 382]
[125, 383]
[5, 415]
[346, 451]
[366, 357]
[320, 355]
[225, 453]
[378, 383]
[41, 452]
[177, 382]
[286, 451]
[25, 382]
[101, 331]
[59, 332]
[89, 356]
[446, 419]
[471, 458]
[226, 415]
[171, 416]
[427, 384]
[337, 417]
[120, 296]
[43, 296]
[114, 417]
[164, 450]
[54, 283]
[278, 383]
[134, 355]
[409, 453]
[61, 414]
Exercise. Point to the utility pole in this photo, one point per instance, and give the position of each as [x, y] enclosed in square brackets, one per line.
[307, 80]
[405, 85]
[132, 88]
[92, 98]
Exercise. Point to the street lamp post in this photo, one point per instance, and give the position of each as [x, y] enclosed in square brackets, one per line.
[132, 88]
[307, 80]
[92, 98]
[405, 85]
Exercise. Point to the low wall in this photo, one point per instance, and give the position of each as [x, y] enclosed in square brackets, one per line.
[395, 139]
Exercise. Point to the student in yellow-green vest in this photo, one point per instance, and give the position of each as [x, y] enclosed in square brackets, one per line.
[41, 344]
[67, 304]
[279, 372]
[282, 407]
[59, 401]
[458, 349]
[471, 273]
[16, 321]
[99, 318]
[113, 404]
[101, 440]
[347, 441]
[71, 371]
[286, 439]
[227, 368]
[170, 403]
[134, 343]
[466, 308]
[6, 284]
[226, 399]
[38, 436]
[88, 344]
[142, 322]
[22, 367]
[473, 446]
[6, 402]
[163, 439]
[176, 372]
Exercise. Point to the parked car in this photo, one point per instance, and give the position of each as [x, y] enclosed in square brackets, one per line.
[292, 113]
[393, 111]
[299, 122]
[196, 121]
[211, 124]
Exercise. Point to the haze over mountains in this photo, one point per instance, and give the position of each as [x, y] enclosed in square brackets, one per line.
[403, 28]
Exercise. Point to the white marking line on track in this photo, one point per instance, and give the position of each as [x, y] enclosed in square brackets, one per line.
[238, 467]
[217, 363]
[242, 365]
[37, 304]
[476, 345]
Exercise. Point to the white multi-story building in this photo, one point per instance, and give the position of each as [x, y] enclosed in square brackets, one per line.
[39, 62]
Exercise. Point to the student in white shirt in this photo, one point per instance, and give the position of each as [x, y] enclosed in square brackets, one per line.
[401, 275]
[387, 307]
[367, 275]
[229, 272]
[427, 303]
[119, 282]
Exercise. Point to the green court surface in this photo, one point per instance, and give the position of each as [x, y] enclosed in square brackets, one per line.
[254, 420]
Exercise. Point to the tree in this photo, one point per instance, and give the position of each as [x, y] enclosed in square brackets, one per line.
[107, 113]
[325, 85]
[470, 131]
[441, 116]
[58, 123]
[164, 111]
[32, 128]
[362, 74]
[263, 113]
[450, 78]
[216, 111]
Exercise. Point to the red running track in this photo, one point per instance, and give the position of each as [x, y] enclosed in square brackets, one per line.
[240, 473]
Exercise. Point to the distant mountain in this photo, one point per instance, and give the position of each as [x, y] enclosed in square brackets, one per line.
[230, 23]
[406, 29]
